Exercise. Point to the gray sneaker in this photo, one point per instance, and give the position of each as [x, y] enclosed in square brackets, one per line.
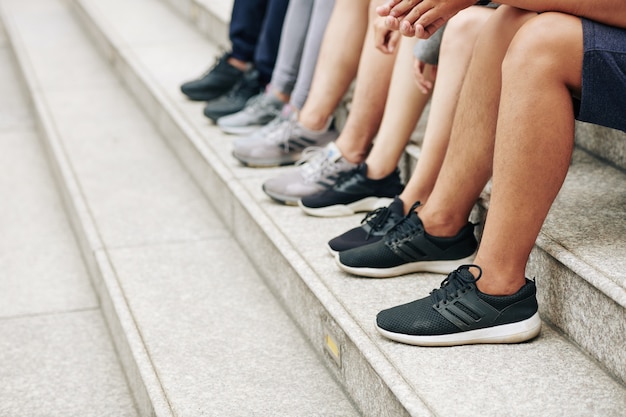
[281, 143]
[317, 169]
[259, 111]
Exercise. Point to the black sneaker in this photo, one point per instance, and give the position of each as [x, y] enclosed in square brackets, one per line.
[216, 82]
[235, 100]
[459, 314]
[373, 227]
[353, 192]
[408, 248]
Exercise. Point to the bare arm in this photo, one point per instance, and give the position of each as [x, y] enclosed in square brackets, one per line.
[422, 18]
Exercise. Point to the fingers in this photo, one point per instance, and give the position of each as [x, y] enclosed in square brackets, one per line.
[428, 24]
[392, 23]
[398, 8]
[393, 39]
[385, 9]
[423, 84]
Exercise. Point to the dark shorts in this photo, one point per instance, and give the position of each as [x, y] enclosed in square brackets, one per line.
[603, 98]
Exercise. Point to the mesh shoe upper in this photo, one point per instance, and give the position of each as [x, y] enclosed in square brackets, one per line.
[353, 186]
[217, 81]
[408, 242]
[283, 144]
[259, 111]
[373, 227]
[458, 306]
[236, 99]
[318, 169]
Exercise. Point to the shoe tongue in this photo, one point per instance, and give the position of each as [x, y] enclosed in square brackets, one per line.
[466, 274]
[414, 218]
[333, 153]
[397, 206]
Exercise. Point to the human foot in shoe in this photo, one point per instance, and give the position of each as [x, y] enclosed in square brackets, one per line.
[283, 144]
[235, 100]
[258, 112]
[353, 192]
[318, 169]
[214, 83]
[373, 227]
[407, 248]
[458, 313]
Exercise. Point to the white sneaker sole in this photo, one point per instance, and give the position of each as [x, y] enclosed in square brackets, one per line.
[239, 130]
[339, 210]
[506, 333]
[266, 163]
[438, 267]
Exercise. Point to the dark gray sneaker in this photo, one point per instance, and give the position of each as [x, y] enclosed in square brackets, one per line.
[352, 193]
[459, 314]
[216, 82]
[373, 227]
[407, 248]
[236, 99]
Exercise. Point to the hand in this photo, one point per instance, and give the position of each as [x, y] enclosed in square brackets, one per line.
[423, 78]
[385, 40]
[420, 18]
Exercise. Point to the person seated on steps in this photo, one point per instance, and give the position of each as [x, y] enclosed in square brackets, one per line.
[454, 57]
[339, 180]
[309, 121]
[254, 32]
[518, 124]
[320, 167]
[304, 28]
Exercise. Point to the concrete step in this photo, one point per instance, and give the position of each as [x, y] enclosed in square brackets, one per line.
[576, 274]
[196, 329]
[56, 354]
[605, 143]
[211, 17]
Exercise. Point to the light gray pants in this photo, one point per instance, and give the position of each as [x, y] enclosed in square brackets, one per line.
[300, 41]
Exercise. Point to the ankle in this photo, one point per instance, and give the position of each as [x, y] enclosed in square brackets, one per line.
[238, 63]
[354, 156]
[284, 97]
[439, 223]
[312, 121]
[499, 278]
[376, 172]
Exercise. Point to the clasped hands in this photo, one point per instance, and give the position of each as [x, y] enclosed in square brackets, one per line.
[420, 18]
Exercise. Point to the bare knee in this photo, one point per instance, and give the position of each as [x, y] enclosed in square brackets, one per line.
[465, 26]
[548, 47]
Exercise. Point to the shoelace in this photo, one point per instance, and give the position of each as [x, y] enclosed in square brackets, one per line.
[404, 228]
[317, 163]
[312, 163]
[242, 85]
[376, 219]
[259, 103]
[454, 285]
[280, 136]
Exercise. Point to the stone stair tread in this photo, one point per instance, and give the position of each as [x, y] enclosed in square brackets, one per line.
[216, 340]
[46, 298]
[420, 378]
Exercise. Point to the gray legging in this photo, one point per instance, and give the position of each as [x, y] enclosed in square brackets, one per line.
[300, 41]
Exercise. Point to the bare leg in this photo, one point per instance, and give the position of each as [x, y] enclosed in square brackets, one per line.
[370, 95]
[467, 165]
[454, 58]
[403, 109]
[534, 142]
[335, 67]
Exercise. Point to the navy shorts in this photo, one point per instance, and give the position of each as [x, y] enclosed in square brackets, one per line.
[603, 97]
